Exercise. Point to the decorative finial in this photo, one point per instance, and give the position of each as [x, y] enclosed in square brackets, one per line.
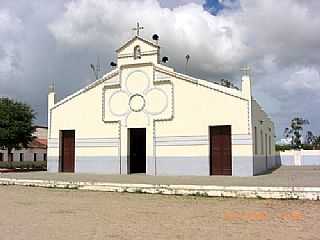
[245, 70]
[138, 28]
[51, 87]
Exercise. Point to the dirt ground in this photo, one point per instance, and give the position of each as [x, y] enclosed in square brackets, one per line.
[38, 213]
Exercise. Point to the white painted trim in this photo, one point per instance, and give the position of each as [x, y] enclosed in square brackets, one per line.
[145, 53]
[181, 143]
[88, 142]
[182, 138]
[237, 139]
[205, 83]
[306, 193]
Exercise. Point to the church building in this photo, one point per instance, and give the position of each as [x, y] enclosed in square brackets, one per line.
[144, 117]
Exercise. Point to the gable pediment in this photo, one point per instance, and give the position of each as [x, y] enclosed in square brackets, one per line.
[138, 50]
[129, 45]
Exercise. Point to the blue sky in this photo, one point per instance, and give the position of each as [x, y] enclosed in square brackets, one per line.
[215, 6]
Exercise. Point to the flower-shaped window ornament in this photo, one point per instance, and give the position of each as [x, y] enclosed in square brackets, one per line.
[138, 100]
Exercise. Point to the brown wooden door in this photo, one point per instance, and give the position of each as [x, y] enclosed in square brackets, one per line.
[220, 150]
[68, 149]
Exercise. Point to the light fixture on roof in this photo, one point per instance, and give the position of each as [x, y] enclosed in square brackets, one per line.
[155, 38]
[165, 59]
[113, 64]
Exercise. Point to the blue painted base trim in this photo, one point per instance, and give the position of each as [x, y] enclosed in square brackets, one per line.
[53, 164]
[287, 160]
[151, 166]
[260, 164]
[124, 165]
[310, 160]
[242, 166]
[97, 164]
[178, 166]
[184, 165]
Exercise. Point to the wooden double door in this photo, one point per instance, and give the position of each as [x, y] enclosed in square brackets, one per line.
[67, 154]
[220, 150]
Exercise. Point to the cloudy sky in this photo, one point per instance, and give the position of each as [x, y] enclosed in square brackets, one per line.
[55, 41]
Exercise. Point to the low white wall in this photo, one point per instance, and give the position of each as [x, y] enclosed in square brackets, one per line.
[28, 154]
[300, 158]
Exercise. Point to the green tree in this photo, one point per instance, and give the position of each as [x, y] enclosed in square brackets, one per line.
[295, 132]
[15, 124]
[313, 140]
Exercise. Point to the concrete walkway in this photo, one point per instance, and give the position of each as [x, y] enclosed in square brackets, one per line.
[281, 177]
[283, 183]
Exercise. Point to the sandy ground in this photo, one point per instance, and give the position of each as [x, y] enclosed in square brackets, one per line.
[37, 213]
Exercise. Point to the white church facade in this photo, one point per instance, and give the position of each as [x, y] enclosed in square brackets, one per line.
[143, 117]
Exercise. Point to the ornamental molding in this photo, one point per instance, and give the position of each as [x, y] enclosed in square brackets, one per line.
[138, 101]
[145, 53]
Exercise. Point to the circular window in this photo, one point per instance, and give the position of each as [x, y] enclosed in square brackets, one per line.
[137, 102]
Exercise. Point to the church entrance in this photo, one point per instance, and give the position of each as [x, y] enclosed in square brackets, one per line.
[137, 150]
[67, 155]
[220, 150]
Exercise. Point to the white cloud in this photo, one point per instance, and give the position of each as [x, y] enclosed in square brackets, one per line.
[279, 39]
[10, 29]
[9, 23]
[307, 77]
[175, 3]
[214, 42]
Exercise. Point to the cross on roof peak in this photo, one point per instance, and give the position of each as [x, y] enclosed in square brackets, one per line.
[138, 28]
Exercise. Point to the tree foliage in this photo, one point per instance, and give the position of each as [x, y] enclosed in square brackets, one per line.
[313, 140]
[15, 124]
[295, 132]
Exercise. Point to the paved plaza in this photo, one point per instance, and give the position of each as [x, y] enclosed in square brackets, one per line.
[307, 176]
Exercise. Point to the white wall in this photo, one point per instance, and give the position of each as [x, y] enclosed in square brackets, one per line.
[97, 143]
[28, 154]
[179, 132]
[199, 104]
[263, 146]
[300, 157]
